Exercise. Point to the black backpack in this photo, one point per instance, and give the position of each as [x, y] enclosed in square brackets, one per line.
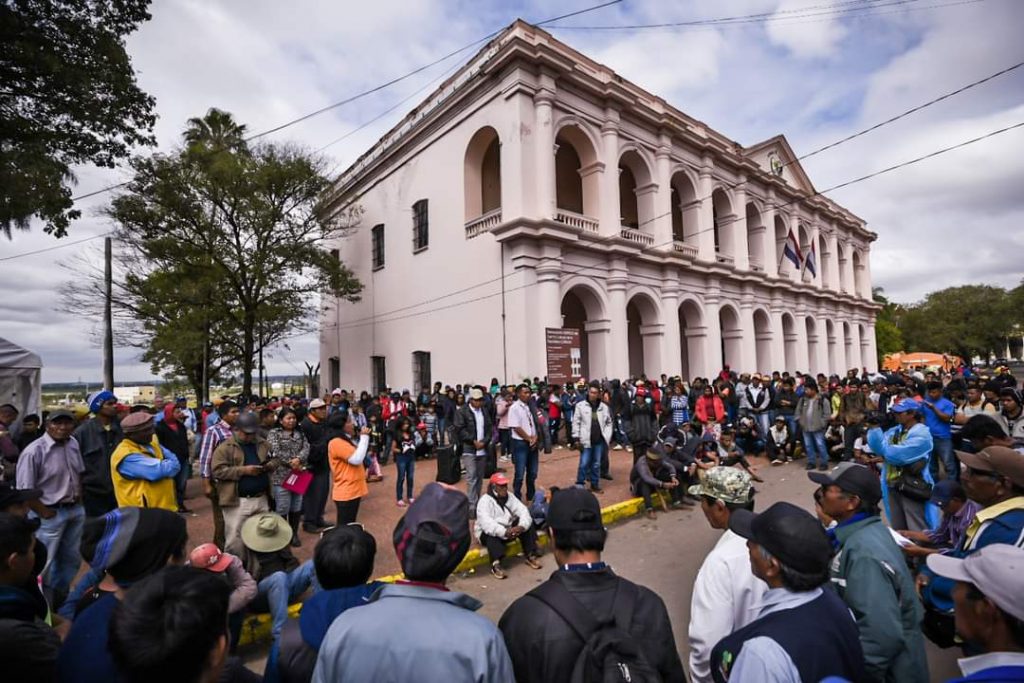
[610, 653]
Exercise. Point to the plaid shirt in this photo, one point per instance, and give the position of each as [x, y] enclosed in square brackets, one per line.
[214, 436]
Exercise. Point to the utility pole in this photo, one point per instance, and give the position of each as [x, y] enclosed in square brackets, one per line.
[108, 318]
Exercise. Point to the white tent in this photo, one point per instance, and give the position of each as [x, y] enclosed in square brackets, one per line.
[20, 377]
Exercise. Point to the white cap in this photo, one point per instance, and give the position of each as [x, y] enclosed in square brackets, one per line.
[996, 571]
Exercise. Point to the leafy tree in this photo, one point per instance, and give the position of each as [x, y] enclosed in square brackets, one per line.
[888, 337]
[223, 244]
[972, 320]
[67, 96]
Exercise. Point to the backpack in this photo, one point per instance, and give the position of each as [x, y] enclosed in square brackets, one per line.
[610, 654]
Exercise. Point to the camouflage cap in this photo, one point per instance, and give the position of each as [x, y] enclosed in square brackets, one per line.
[727, 484]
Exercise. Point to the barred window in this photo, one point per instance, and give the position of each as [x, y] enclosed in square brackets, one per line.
[420, 229]
[377, 246]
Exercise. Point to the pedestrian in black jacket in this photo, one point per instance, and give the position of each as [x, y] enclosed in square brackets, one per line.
[315, 498]
[542, 643]
[643, 425]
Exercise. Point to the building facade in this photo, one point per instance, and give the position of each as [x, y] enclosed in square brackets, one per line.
[537, 189]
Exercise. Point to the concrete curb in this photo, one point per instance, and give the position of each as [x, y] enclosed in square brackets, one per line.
[256, 628]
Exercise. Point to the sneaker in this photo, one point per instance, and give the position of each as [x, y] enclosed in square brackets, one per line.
[596, 489]
[532, 563]
[651, 514]
[411, 501]
[505, 458]
[401, 503]
[776, 461]
[617, 447]
[606, 477]
[809, 468]
[497, 572]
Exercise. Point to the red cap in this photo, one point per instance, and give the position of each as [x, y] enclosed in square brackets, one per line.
[421, 425]
[499, 479]
[208, 556]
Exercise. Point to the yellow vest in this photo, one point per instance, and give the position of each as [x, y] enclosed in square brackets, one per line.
[139, 492]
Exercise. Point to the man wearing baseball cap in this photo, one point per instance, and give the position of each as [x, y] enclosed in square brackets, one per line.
[994, 479]
[545, 630]
[726, 590]
[906, 450]
[472, 429]
[240, 466]
[243, 587]
[315, 499]
[989, 598]
[142, 470]
[870, 574]
[801, 632]
[416, 629]
[97, 438]
[501, 519]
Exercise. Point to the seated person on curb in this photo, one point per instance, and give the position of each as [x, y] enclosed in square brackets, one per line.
[501, 519]
[416, 629]
[547, 629]
[730, 454]
[749, 438]
[780, 441]
[187, 642]
[989, 610]
[652, 473]
[268, 559]
[802, 632]
[28, 646]
[957, 513]
[343, 560]
[228, 568]
[686, 468]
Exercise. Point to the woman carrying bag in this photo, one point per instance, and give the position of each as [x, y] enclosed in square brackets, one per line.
[288, 446]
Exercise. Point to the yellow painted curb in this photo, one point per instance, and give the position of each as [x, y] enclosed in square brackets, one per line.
[257, 627]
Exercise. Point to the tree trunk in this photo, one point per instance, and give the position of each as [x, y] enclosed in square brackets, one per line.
[248, 351]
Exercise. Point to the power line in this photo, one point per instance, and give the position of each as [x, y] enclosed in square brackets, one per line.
[794, 201]
[56, 246]
[377, 88]
[733, 186]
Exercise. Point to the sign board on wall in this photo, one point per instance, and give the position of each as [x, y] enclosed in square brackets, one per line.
[564, 352]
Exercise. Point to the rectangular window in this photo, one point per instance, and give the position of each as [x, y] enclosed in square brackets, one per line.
[377, 246]
[420, 370]
[334, 372]
[420, 230]
[378, 374]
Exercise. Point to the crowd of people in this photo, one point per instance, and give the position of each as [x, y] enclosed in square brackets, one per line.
[782, 596]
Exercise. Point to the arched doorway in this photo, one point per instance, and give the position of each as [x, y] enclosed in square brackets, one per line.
[763, 341]
[732, 336]
[824, 263]
[724, 222]
[755, 239]
[635, 192]
[576, 173]
[804, 237]
[644, 332]
[789, 340]
[811, 328]
[781, 234]
[583, 310]
[833, 346]
[844, 266]
[692, 335]
[684, 209]
[482, 174]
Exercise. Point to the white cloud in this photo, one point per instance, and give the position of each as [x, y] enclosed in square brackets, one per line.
[805, 37]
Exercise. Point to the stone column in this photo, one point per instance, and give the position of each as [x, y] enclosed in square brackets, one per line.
[739, 228]
[545, 306]
[748, 342]
[662, 228]
[611, 211]
[793, 272]
[866, 263]
[870, 346]
[771, 252]
[618, 339]
[855, 361]
[518, 194]
[803, 359]
[817, 281]
[833, 261]
[713, 343]
[705, 216]
[672, 346]
[544, 148]
[778, 340]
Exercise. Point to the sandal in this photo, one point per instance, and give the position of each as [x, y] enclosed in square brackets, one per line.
[532, 563]
[497, 572]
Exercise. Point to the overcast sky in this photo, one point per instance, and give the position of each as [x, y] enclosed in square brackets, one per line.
[956, 219]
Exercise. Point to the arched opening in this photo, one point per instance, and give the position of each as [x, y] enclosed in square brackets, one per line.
[851, 360]
[824, 263]
[684, 209]
[859, 275]
[732, 335]
[482, 174]
[724, 222]
[833, 346]
[643, 332]
[693, 335]
[576, 173]
[763, 340]
[804, 238]
[811, 328]
[582, 310]
[781, 233]
[636, 192]
[755, 239]
[789, 340]
[844, 265]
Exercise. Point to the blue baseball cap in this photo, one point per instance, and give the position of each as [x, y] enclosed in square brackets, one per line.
[905, 405]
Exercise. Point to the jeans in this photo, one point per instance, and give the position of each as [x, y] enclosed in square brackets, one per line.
[942, 450]
[315, 499]
[814, 442]
[281, 588]
[442, 431]
[406, 464]
[62, 535]
[619, 428]
[286, 502]
[505, 438]
[474, 467]
[763, 423]
[590, 464]
[180, 481]
[526, 461]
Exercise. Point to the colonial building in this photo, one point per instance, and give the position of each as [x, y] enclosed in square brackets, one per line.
[538, 189]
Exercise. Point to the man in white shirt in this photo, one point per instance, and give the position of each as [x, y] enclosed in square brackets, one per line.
[525, 457]
[726, 591]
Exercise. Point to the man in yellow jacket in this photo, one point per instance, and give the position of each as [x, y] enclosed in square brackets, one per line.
[142, 471]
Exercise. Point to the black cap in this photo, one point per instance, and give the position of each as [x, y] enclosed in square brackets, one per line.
[248, 423]
[11, 496]
[574, 509]
[433, 536]
[851, 478]
[60, 415]
[790, 533]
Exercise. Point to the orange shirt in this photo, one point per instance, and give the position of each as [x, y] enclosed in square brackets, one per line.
[349, 480]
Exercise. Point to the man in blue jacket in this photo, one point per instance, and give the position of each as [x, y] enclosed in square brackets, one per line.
[905, 449]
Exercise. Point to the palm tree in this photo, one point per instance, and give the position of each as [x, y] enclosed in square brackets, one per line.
[215, 132]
